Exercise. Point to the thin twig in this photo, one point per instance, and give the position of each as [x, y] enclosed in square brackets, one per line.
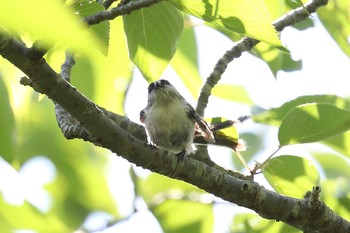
[67, 66]
[69, 126]
[118, 11]
[248, 43]
[108, 3]
[261, 165]
[248, 194]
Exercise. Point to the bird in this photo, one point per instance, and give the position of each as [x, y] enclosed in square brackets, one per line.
[171, 122]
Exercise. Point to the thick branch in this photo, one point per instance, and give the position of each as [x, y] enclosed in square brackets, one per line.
[248, 43]
[296, 212]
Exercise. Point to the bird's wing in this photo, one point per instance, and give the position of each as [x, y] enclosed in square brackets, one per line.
[202, 125]
[142, 116]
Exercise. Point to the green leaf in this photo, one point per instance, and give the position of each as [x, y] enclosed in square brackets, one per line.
[79, 188]
[334, 166]
[276, 8]
[7, 124]
[233, 93]
[28, 217]
[156, 184]
[340, 143]
[249, 18]
[299, 3]
[336, 19]
[101, 30]
[185, 216]
[225, 134]
[152, 35]
[291, 175]
[252, 223]
[49, 21]
[83, 77]
[105, 79]
[336, 193]
[81, 179]
[277, 60]
[229, 133]
[279, 8]
[185, 60]
[312, 123]
[115, 72]
[275, 116]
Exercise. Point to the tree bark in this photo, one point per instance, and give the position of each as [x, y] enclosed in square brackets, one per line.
[309, 214]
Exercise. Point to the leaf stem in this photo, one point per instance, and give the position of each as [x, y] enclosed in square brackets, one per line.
[261, 165]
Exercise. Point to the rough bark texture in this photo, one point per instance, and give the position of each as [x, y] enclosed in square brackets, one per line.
[127, 139]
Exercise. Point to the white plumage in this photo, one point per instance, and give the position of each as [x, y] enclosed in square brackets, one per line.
[170, 120]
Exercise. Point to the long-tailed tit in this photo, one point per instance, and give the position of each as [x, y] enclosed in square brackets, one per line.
[170, 121]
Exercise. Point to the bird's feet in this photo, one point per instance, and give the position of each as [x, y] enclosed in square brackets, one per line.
[152, 145]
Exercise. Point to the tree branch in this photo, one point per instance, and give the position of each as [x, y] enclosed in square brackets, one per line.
[121, 9]
[106, 4]
[248, 43]
[71, 128]
[268, 204]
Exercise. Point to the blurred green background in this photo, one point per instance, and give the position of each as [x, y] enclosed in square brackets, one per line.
[50, 184]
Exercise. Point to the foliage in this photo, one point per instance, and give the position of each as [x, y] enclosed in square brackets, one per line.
[153, 38]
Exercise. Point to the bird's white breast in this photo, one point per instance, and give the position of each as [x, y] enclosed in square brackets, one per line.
[169, 127]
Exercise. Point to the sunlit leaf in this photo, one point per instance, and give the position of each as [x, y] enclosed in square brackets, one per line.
[156, 184]
[103, 79]
[116, 72]
[185, 216]
[81, 189]
[298, 3]
[276, 59]
[276, 8]
[106, 79]
[185, 60]
[249, 18]
[152, 35]
[339, 167]
[81, 181]
[252, 223]
[233, 93]
[28, 217]
[336, 192]
[86, 8]
[279, 8]
[291, 175]
[49, 21]
[82, 76]
[312, 123]
[335, 16]
[275, 116]
[227, 132]
[7, 125]
[340, 143]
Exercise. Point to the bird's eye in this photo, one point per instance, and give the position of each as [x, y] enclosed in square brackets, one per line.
[151, 87]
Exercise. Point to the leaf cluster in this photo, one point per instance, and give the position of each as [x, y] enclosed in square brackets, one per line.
[152, 38]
